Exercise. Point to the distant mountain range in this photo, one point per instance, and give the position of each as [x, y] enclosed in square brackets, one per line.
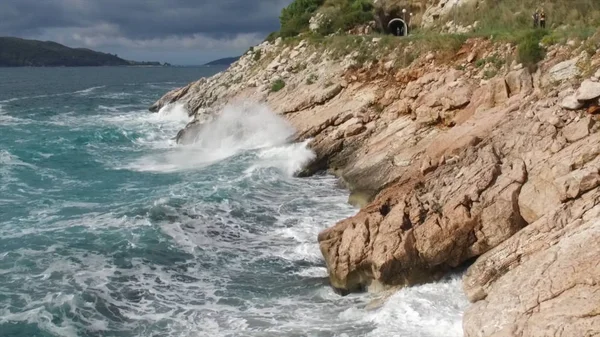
[223, 62]
[16, 52]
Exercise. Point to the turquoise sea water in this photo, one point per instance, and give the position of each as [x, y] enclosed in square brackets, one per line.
[108, 228]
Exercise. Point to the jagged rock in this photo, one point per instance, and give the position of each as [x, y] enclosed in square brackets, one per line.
[472, 56]
[499, 89]
[571, 103]
[566, 70]
[519, 81]
[555, 260]
[579, 130]
[459, 98]
[588, 91]
[410, 235]
[537, 198]
[354, 130]
[428, 166]
[412, 90]
[427, 115]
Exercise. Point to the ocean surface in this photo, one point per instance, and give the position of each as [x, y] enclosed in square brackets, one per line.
[108, 228]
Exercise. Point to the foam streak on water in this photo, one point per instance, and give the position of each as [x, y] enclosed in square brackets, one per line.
[109, 228]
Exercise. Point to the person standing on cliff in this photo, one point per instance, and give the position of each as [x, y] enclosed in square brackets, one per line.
[543, 19]
[536, 19]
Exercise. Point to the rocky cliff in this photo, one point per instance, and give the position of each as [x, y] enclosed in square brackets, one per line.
[458, 156]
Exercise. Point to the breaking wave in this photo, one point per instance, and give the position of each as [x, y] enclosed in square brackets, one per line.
[242, 128]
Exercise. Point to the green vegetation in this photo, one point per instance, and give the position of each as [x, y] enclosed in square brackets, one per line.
[496, 61]
[295, 18]
[500, 21]
[496, 16]
[223, 62]
[335, 15]
[529, 51]
[343, 15]
[312, 78]
[15, 52]
[257, 55]
[277, 85]
[489, 74]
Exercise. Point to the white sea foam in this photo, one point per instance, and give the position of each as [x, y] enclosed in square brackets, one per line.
[173, 112]
[238, 128]
[83, 92]
[87, 91]
[431, 310]
[6, 119]
[7, 158]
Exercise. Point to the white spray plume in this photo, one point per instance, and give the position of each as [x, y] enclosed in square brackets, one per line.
[173, 112]
[237, 128]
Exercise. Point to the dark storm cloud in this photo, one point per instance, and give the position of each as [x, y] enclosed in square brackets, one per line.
[142, 23]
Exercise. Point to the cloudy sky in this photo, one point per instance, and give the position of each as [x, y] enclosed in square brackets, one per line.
[176, 31]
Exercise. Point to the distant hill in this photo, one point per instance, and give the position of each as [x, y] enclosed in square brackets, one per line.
[16, 52]
[223, 62]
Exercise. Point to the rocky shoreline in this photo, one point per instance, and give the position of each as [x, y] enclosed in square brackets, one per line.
[456, 161]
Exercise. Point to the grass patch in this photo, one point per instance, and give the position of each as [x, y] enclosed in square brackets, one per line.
[490, 73]
[514, 15]
[277, 85]
[312, 78]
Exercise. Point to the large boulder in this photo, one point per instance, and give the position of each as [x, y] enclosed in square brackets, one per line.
[519, 82]
[411, 235]
[571, 103]
[588, 91]
[566, 70]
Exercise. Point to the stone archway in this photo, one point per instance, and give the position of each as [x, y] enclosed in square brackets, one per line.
[398, 27]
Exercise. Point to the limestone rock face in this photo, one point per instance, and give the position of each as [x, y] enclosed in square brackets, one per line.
[450, 168]
[411, 235]
[544, 281]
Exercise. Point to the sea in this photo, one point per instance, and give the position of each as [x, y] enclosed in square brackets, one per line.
[109, 228]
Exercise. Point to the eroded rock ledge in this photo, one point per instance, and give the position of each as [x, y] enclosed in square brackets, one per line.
[453, 166]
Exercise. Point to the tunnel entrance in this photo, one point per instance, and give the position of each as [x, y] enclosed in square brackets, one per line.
[398, 27]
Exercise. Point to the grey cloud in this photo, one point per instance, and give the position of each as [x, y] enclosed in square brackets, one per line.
[142, 23]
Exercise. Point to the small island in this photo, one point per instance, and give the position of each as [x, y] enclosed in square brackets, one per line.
[17, 52]
[227, 61]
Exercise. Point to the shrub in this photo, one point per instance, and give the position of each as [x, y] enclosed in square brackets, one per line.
[295, 18]
[529, 51]
[345, 14]
[312, 78]
[277, 85]
[489, 74]
[257, 55]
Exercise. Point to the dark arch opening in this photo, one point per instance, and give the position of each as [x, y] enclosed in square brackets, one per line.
[398, 27]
